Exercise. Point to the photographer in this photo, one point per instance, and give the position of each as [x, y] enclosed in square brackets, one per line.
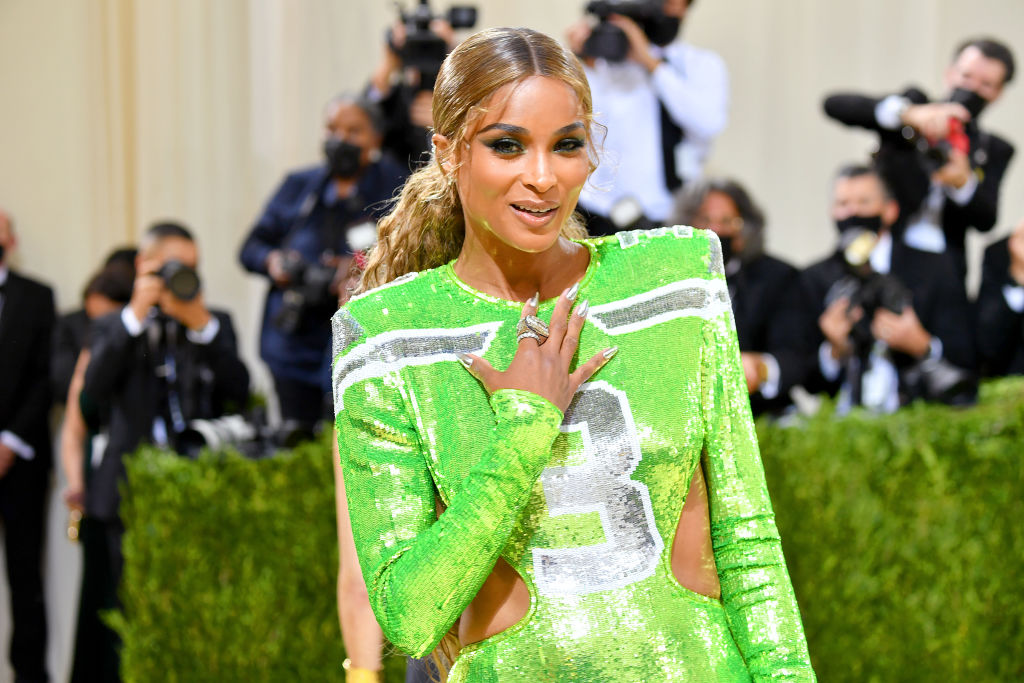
[944, 169]
[763, 290]
[893, 321]
[161, 361]
[402, 85]
[303, 243]
[662, 101]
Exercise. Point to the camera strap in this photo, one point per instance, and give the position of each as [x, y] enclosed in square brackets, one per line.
[162, 338]
[312, 199]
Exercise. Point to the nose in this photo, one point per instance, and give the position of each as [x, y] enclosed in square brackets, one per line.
[539, 174]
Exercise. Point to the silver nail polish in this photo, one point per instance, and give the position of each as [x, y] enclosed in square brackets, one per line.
[583, 308]
[532, 301]
[571, 293]
[464, 359]
[608, 353]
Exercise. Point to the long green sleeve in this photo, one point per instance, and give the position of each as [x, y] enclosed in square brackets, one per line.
[423, 570]
[756, 589]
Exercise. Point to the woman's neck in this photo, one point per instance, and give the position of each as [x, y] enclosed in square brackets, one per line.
[503, 271]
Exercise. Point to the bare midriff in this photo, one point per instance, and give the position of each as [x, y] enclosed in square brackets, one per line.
[504, 600]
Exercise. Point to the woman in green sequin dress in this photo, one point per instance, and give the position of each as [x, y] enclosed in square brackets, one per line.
[596, 510]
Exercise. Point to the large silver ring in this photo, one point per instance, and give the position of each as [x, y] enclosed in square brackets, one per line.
[529, 334]
[532, 323]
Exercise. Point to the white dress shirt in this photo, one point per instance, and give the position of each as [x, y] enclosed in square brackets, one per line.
[693, 84]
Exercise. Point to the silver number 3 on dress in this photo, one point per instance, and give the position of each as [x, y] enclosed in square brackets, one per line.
[602, 484]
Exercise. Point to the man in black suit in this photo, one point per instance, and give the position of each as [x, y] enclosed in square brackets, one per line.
[162, 361]
[763, 289]
[1000, 307]
[893, 322]
[26, 325]
[941, 193]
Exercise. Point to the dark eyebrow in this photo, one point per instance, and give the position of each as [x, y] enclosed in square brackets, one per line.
[519, 130]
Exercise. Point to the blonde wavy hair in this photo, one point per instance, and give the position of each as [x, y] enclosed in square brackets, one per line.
[425, 227]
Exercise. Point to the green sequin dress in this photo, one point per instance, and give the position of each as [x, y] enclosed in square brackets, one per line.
[583, 505]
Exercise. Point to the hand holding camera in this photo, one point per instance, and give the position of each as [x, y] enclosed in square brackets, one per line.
[837, 323]
[955, 172]
[932, 120]
[901, 332]
[174, 288]
[639, 45]
[276, 268]
[626, 29]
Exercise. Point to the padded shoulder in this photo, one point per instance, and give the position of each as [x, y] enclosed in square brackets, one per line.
[687, 252]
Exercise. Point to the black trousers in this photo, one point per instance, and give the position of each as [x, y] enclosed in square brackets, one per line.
[23, 511]
[96, 644]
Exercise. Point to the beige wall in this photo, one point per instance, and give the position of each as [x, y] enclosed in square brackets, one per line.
[119, 112]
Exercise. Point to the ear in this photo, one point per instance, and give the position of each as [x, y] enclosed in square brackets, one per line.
[443, 153]
[890, 212]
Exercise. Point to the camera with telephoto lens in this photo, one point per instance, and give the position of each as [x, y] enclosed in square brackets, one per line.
[248, 434]
[424, 50]
[933, 379]
[309, 289]
[608, 41]
[181, 281]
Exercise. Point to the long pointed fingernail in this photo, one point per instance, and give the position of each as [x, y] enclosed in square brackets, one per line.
[571, 293]
[532, 301]
[465, 359]
[609, 352]
[582, 309]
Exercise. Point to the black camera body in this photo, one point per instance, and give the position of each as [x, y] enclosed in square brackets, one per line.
[181, 281]
[931, 379]
[607, 40]
[934, 154]
[310, 289]
[424, 50]
[870, 291]
[248, 433]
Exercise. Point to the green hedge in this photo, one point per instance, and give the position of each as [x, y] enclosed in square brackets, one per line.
[904, 538]
[903, 535]
[231, 569]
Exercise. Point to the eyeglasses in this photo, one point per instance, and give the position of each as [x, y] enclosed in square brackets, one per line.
[733, 224]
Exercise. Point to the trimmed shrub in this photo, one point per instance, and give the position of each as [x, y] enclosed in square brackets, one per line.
[902, 535]
[231, 569]
[904, 540]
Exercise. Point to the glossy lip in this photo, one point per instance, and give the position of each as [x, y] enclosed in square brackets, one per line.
[534, 219]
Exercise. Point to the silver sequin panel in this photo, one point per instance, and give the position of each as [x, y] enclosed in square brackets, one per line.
[391, 351]
[602, 484]
[694, 297]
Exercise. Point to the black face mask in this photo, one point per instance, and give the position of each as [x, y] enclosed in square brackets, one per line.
[972, 101]
[662, 29]
[871, 223]
[343, 157]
